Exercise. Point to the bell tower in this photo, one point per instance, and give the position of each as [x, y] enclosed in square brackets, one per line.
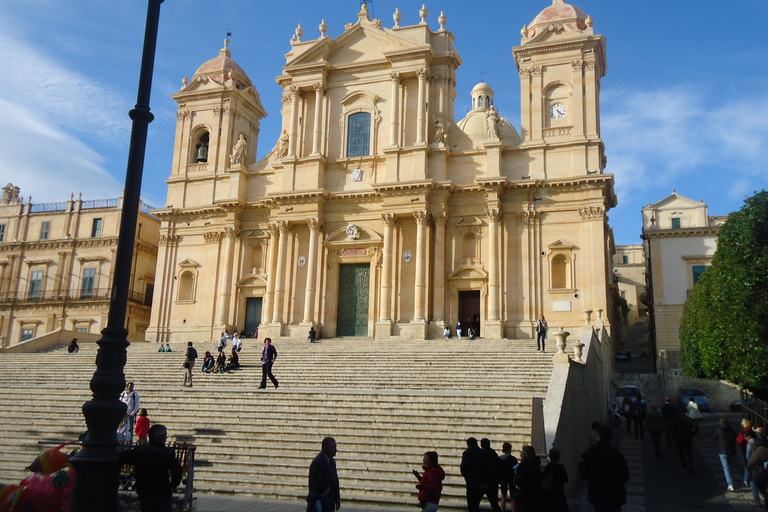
[216, 133]
[561, 61]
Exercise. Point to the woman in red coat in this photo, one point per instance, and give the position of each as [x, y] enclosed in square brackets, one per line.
[430, 484]
[142, 427]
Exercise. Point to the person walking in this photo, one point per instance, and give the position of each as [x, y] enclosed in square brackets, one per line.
[669, 411]
[541, 333]
[655, 424]
[683, 431]
[606, 472]
[268, 357]
[130, 397]
[324, 495]
[430, 484]
[458, 330]
[639, 412]
[492, 473]
[189, 362]
[528, 480]
[508, 463]
[694, 412]
[473, 470]
[726, 449]
[157, 471]
[553, 480]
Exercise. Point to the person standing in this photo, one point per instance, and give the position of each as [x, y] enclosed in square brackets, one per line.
[189, 363]
[528, 480]
[639, 412]
[694, 412]
[553, 478]
[473, 471]
[458, 330]
[669, 411]
[492, 473]
[158, 472]
[268, 357]
[606, 472]
[430, 484]
[683, 431]
[541, 333]
[508, 463]
[324, 495]
[142, 427]
[655, 424]
[726, 449]
[130, 398]
[222, 344]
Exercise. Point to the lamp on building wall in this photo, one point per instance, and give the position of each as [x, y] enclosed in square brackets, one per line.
[96, 466]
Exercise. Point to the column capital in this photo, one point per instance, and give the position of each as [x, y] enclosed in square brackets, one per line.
[314, 224]
[439, 219]
[493, 214]
[395, 77]
[295, 91]
[284, 226]
[423, 74]
[388, 219]
[319, 87]
[421, 217]
[273, 228]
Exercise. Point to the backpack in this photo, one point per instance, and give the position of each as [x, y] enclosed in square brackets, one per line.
[639, 409]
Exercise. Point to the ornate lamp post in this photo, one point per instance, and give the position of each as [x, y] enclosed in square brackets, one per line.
[96, 467]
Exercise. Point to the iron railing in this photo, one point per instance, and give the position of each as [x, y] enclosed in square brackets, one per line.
[754, 409]
[100, 203]
[47, 207]
[100, 294]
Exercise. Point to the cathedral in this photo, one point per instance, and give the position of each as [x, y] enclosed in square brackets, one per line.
[377, 213]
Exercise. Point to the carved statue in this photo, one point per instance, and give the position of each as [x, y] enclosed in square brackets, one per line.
[10, 194]
[492, 122]
[282, 145]
[441, 130]
[352, 232]
[239, 151]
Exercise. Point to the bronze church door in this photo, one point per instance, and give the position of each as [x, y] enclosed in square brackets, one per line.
[469, 310]
[354, 290]
[252, 315]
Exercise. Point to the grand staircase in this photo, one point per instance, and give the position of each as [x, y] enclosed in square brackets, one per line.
[386, 403]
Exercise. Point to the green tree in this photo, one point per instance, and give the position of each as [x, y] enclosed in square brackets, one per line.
[724, 330]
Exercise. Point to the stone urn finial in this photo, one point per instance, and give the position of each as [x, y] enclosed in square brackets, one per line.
[560, 337]
[599, 312]
[442, 20]
[578, 347]
[423, 12]
[323, 28]
[397, 17]
[587, 316]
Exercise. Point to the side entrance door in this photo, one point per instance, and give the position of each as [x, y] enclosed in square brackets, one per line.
[252, 315]
[469, 310]
[354, 288]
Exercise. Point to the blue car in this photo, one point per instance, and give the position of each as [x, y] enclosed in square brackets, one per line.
[700, 397]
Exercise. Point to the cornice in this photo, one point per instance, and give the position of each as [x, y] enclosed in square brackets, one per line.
[404, 186]
[680, 232]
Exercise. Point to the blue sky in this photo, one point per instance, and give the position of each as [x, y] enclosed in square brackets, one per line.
[684, 102]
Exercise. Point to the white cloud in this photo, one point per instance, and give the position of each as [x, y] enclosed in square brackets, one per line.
[48, 163]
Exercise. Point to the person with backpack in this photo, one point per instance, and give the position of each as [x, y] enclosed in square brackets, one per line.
[508, 463]
[553, 480]
[606, 472]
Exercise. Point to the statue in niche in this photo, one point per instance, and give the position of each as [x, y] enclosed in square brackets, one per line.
[282, 145]
[441, 130]
[357, 174]
[239, 151]
[492, 123]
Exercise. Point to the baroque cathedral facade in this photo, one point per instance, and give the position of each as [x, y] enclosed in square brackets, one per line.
[378, 214]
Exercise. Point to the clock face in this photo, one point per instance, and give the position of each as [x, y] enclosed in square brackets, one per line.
[557, 111]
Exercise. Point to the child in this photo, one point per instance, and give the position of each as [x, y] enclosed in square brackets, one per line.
[430, 484]
[124, 431]
[142, 427]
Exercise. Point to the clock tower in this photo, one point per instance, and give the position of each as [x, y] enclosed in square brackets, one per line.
[561, 60]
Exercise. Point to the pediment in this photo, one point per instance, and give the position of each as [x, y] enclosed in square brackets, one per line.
[561, 245]
[556, 31]
[469, 222]
[676, 201]
[252, 280]
[468, 272]
[353, 234]
[189, 264]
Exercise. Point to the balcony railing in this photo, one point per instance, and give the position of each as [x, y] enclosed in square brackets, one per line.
[101, 294]
[47, 207]
[100, 203]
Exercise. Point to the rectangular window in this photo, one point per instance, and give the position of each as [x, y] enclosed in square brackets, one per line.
[81, 329]
[675, 222]
[35, 284]
[96, 229]
[359, 134]
[45, 230]
[697, 271]
[623, 295]
[2, 232]
[89, 281]
[625, 259]
[27, 334]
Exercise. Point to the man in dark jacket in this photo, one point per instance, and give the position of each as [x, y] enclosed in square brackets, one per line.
[683, 431]
[189, 362]
[492, 473]
[324, 495]
[268, 356]
[726, 448]
[669, 411]
[152, 463]
[607, 473]
[473, 471]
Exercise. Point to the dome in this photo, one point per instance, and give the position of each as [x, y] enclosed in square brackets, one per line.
[474, 126]
[567, 14]
[222, 67]
[482, 96]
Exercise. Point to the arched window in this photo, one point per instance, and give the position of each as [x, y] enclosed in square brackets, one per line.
[187, 286]
[359, 134]
[559, 271]
[487, 102]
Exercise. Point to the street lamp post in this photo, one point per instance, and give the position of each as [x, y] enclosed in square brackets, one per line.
[96, 467]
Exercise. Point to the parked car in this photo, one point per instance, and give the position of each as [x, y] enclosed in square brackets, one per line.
[623, 356]
[736, 406]
[631, 391]
[699, 396]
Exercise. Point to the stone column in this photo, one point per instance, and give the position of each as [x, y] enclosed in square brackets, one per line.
[226, 281]
[537, 115]
[493, 264]
[294, 135]
[269, 293]
[439, 268]
[421, 254]
[318, 134]
[309, 294]
[421, 105]
[277, 313]
[394, 125]
[386, 270]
